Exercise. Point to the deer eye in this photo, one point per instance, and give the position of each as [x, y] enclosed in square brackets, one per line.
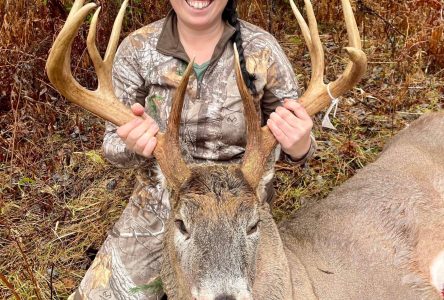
[253, 229]
[181, 226]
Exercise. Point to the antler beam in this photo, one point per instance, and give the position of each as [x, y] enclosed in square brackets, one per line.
[260, 141]
[103, 102]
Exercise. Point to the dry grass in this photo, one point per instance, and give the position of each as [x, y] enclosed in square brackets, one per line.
[58, 198]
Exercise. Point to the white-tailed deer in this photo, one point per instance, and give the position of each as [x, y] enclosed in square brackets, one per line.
[376, 237]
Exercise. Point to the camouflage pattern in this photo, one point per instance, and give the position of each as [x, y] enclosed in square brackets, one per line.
[148, 68]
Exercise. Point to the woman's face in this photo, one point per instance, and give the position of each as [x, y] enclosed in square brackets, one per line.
[199, 14]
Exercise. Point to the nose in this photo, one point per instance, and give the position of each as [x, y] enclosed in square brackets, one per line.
[225, 297]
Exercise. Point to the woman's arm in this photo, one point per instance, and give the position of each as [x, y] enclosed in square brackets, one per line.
[129, 87]
[286, 118]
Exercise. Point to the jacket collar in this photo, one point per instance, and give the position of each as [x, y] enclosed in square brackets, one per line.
[169, 42]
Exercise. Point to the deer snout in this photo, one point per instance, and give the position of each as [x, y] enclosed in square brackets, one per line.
[224, 297]
[207, 295]
[220, 297]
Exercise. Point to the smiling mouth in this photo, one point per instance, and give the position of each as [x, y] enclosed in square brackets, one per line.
[199, 4]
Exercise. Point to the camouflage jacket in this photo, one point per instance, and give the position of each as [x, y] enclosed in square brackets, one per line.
[149, 65]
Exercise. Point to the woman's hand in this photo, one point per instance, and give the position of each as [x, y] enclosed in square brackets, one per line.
[139, 134]
[291, 125]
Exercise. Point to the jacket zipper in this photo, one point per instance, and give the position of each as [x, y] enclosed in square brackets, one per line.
[199, 82]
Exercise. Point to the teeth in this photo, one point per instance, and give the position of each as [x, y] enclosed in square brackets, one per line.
[198, 4]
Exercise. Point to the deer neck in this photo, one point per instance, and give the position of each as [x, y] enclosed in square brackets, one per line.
[272, 280]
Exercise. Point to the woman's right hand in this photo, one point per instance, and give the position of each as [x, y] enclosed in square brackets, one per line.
[139, 134]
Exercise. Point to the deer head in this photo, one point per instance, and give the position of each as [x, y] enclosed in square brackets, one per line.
[218, 227]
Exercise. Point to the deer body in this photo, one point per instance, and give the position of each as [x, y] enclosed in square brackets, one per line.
[377, 235]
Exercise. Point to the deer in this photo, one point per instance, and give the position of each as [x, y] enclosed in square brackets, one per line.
[378, 236]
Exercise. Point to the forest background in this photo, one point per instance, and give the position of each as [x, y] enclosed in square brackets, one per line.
[59, 197]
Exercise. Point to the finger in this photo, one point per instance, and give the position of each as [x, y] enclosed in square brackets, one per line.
[141, 143]
[289, 116]
[286, 128]
[149, 148]
[137, 132]
[297, 109]
[277, 132]
[137, 109]
[125, 129]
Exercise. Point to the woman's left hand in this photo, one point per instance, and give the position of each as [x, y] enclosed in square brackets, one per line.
[291, 125]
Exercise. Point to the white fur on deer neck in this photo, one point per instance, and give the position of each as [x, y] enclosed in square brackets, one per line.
[437, 273]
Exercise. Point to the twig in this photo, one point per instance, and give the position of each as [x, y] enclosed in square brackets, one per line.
[9, 286]
[270, 11]
[14, 132]
[28, 269]
[50, 281]
[34, 57]
[366, 9]
[260, 10]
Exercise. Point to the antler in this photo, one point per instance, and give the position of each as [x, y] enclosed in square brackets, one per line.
[260, 141]
[103, 102]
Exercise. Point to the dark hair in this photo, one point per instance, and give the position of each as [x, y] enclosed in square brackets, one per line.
[230, 15]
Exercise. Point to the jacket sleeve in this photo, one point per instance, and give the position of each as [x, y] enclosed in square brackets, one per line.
[281, 84]
[129, 87]
[281, 81]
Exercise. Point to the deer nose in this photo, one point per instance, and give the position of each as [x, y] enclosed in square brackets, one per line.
[225, 297]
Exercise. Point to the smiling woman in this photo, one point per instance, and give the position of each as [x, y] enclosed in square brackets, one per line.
[148, 69]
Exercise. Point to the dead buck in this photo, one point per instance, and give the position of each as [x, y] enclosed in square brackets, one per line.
[376, 237]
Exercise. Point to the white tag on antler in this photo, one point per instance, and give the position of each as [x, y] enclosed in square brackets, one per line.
[326, 120]
[334, 105]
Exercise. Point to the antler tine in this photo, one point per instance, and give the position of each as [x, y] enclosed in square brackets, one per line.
[350, 23]
[93, 51]
[358, 60]
[168, 151]
[103, 101]
[75, 8]
[104, 67]
[115, 34]
[316, 52]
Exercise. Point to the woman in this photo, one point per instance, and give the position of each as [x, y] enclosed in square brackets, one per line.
[147, 69]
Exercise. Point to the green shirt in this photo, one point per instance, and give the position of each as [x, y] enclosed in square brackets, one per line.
[200, 69]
